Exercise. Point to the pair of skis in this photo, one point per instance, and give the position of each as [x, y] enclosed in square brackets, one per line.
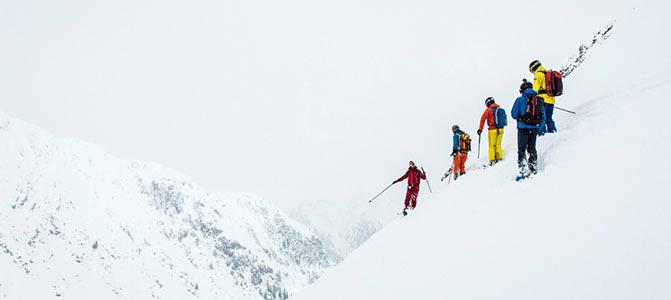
[448, 174]
[524, 174]
[404, 212]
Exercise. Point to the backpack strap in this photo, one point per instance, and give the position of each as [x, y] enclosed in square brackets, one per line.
[533, 105]
[540, 90]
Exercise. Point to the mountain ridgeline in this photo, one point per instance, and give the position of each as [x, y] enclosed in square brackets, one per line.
[78, 223]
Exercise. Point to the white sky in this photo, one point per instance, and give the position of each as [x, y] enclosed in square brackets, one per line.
[297, 101]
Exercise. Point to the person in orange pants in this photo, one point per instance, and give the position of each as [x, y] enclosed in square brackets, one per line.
[461, 145]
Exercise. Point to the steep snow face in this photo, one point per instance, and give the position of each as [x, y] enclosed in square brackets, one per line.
[78, 223]
[595, 222]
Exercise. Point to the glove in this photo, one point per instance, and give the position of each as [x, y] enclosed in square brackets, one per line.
[541, 132]
[394, 182]
[454, 152]
[479, 131]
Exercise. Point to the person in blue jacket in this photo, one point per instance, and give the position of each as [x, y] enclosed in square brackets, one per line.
[526, 133]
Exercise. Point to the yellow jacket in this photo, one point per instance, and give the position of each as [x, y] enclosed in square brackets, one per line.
[541, 85]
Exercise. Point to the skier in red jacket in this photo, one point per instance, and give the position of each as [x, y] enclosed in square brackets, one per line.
[414, 175]
[495, 135]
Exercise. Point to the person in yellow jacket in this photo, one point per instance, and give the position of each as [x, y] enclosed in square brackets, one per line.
[495, 136]
[540, 86]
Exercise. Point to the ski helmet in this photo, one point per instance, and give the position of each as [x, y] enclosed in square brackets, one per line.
[489, 101]
[534, 65]
[455, 128]
[525, 85]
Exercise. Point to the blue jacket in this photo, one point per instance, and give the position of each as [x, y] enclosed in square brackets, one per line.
[455, 139]
[519, 109]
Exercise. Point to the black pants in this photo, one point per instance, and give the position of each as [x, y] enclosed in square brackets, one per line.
[526, 142]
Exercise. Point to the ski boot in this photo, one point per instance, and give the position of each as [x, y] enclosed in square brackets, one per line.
[523, 174]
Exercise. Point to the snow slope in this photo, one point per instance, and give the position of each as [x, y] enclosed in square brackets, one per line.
[594, 224]
[421, 68]
[78, 223]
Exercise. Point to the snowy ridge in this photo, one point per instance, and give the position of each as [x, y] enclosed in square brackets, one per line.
[577, 60]
[593, 224]
[80, 224]
[341, 231]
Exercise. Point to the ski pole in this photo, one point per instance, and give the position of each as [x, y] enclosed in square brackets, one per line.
[479, 145]
[566, 110]
[371, 200]
[427, 181]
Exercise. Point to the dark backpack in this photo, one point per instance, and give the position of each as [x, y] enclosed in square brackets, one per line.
[554, 84]
[464, 142]
[533, 114]
[500, 117]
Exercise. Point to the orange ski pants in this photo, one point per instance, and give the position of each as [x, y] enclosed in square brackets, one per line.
[460, 162]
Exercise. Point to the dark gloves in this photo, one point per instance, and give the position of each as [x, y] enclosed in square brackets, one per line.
[394, 182]
[454, 152]
[479, 131]
[542, 131]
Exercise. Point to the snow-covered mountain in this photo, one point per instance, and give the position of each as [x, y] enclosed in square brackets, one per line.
[595, 223]
[341, 231]
[78, 223]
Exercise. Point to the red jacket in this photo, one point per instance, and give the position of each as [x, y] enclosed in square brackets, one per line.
[489, 116]
[413, 176]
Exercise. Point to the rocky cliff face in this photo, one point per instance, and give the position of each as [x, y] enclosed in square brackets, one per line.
[78, 223]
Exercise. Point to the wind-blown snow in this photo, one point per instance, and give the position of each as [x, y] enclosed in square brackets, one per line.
[594, 224]
[79, 224]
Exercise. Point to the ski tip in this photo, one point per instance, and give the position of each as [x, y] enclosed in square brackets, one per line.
[524, 177]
